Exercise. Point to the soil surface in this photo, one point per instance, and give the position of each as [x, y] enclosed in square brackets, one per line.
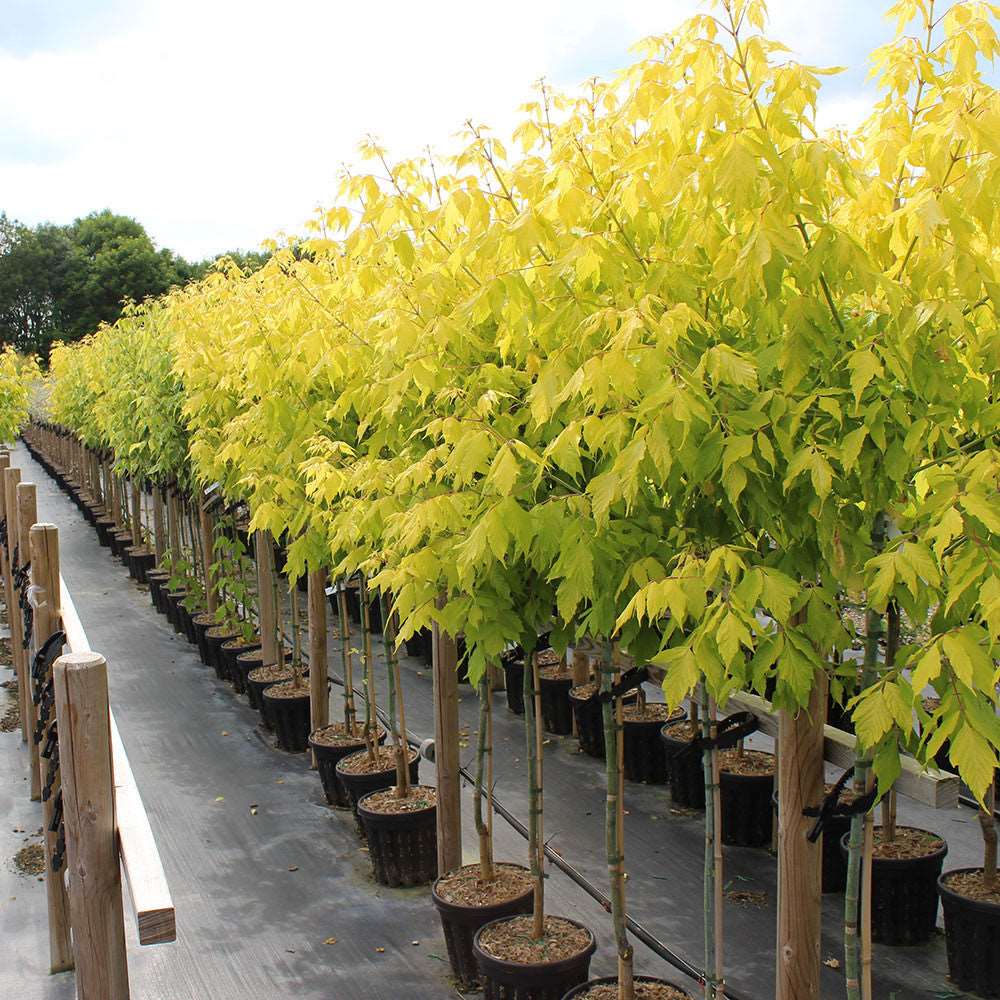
[643, 991]
[271, 672]
[749, 762]
[464, 887]
[30, 860]
[384, 759]
[555, 672]
[337, 735]
[511, 941]
[233, 643]
[909, 843]
[549, 658]
[416, 800]
[203, 618]
[971, 885]
[685, 731]
[216, 631]
[651, 712]
[288, 689]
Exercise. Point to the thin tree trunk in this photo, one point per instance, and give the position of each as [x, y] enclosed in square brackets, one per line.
[713, 855]
[987, 823]
[614, 821]
[873, 630]
[484, 750]
[371, 735]
[536, 850]
[347, 663]
[293, 594]
[395, 699]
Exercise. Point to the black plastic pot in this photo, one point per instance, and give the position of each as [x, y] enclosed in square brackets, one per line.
[503, 980]
[201, 623]
[187, 621]
[105, 529]
[747, 808]
[357, 786]
[228, 652]
[243, 663]
[175, 609]
[289, 718]
[904, 896]
[644, 753]
[402, 846]
[214, 638]
[514, 682]
[581, 990]
[684, 769]
[972, 931]
[327, 758]
[121, 542]
[419, 644]
[460, 924]
[256, 686]
[157, 580]
[834, 861]
[589, 718]
[557, 713]
[144, 563]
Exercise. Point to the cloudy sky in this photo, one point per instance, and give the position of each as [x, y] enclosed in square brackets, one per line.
[217, 123]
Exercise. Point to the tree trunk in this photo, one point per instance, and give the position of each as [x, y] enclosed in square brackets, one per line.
[484, 751]
[533, 739]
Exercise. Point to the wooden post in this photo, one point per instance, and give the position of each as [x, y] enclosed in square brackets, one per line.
[44, 548]
[319, 692]
[159, 542]
[264, 552]
[27, 515]
[449, 805]
[205, 522]
[81, 687]
[11, 477]
[800, 785]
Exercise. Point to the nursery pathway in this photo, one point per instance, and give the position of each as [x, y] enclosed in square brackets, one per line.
[263, 873]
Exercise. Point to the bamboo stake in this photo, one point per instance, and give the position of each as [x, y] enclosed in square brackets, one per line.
[319, 693]
[484, 749]
[533, 734]
[395, 702]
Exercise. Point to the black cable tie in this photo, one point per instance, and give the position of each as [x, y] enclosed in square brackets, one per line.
[630, 680]
[728, 732]
[832, 806]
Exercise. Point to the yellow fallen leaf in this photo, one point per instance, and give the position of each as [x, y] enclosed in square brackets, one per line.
[330, 941]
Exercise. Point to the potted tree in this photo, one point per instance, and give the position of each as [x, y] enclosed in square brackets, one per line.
[286, 703]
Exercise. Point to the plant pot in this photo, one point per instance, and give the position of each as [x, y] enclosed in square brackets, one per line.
[557, 713]
[214, 638]
[971, 930]
[904, 894]
[258, 681]
[461, 921]
[513, 671]
[187, 620]
[287, 707]
[589, 717]
[228, 652]
[503, 979]
[201, 623]
[580, 992]
[121, 542]
[419, 644]
[747, 801]
[157, 580]
[359, 784]
[243, 663]
[402, 845]
[144, 563]
[329, 753]
[644, 754]
[834, 861]
[175, 609]
[105, 529]
[685, 771]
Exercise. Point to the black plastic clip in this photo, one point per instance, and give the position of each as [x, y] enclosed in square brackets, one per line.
[832, 806]
[728, 732]
[630, 680]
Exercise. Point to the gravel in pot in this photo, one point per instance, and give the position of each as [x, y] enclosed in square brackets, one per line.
[259, 680]
[243, 663]
[646, 988]
[330, 745]
[465, 902]
[515, 966]
[360, 774]
[286, 705]
[402, 835]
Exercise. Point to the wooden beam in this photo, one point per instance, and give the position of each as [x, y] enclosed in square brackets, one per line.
[81, 689]
[11, 477]
[26, 504]
[148, 889]
[44, 549]
[934, 788]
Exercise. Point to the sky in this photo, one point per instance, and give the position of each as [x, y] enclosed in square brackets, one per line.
[219, 123]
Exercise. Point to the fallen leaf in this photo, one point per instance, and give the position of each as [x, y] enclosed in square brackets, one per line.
[225, 732]
[381, 951]
[832, 963]
[253, 809]
[414, 943]
[330, 941]
[279, 781]
[220, 798]
[293, 868]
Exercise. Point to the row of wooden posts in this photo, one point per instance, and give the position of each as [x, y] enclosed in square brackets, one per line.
[93, 819]
[803, 743]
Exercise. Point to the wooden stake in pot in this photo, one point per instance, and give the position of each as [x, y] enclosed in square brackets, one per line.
[319, 699]
[347, 661]
[534, 740]
[397, 723]
[484, 777]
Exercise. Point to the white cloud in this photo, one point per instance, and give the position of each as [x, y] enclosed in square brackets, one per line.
[218, 123]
